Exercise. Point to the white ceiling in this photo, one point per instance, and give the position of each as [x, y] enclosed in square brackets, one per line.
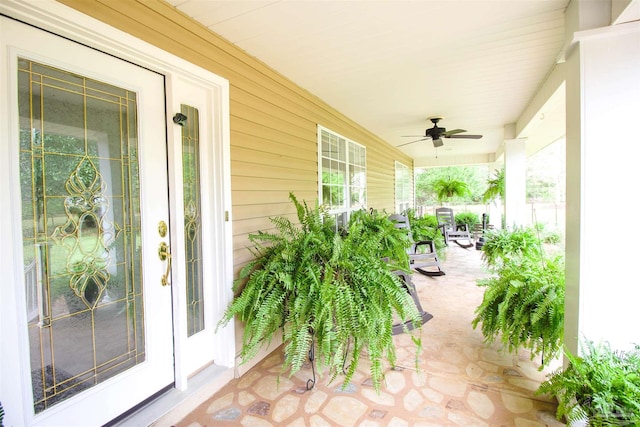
[390, 64]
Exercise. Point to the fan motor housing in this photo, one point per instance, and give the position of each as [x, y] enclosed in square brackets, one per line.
[435, 131]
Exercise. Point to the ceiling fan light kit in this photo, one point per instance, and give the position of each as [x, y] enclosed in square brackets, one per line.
[437, 133]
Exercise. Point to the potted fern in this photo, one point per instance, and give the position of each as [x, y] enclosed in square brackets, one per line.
[446, 188]
[599, 388]
[523, 303]
[329, 291]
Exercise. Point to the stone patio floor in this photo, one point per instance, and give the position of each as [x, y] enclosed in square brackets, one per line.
[459, 380]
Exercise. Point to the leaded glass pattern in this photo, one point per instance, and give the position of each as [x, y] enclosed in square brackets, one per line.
[81, 230]
[192, 219]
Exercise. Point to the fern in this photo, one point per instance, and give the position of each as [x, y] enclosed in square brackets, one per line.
[523, 303]
[325, 288]
[502, 244]
[602, 386]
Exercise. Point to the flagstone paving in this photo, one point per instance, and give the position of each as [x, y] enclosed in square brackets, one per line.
[458, 381]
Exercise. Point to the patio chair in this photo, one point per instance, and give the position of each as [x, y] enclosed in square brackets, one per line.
[452, 231]
[399, 327]
[422, 254]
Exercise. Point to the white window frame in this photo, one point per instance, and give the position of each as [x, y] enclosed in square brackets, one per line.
[402, 187]
[350, 159]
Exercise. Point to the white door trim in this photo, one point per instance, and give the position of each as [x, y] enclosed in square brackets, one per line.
[67, 22]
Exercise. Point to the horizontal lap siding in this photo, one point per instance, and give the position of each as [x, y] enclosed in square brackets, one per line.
[273, 121]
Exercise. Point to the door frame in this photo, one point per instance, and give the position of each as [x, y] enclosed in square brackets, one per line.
[64, 21]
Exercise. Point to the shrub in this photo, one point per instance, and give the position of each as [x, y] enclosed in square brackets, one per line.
[469, 218]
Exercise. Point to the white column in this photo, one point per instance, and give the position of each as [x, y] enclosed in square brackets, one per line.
[603, 111]
[515, 172]
[495, 208]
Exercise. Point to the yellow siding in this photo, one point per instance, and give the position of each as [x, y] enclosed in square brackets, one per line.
[273, 121]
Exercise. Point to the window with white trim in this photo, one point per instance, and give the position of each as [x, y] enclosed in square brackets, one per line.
[403, 188]
[343, 172]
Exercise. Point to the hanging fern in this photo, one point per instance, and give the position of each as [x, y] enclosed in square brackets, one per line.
[503, 244]
[523, 303]
[321, 286]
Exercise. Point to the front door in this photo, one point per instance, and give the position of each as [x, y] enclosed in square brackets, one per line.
[89, 161]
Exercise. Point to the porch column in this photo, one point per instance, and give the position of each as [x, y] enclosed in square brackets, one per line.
[603, 111]
[496, 208]
[515, 173]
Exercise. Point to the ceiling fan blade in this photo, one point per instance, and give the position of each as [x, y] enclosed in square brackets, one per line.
[453, 132]
[438, 143]
[417, 140]
[464, 136]
[412, 136]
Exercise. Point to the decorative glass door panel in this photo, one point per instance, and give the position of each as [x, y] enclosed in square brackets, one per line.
[81, 230]
[192, 218]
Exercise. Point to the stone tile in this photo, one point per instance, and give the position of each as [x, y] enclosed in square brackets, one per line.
[377, 414]
[419, 379]
[511, 372]
[523, 422]
[314, 401]
[473, 370]
[481, 404]
[250, 421]
[466, 420]
[245, 398]
[370, 423]
[456, 405]
[220, 403]
[395, 381]
[249, 378]
[285, 407]
[344, 410]
[447, 386]
[433, 395]
[489, 367]
[298, 422]
[259, 408]
[412, 400]
[524, 383]
[380, 398]
[432, 412]
[346, 388]
[270, 387]
[516, 404]
[398, 422]
[445, 367]
[229, 414]
[318, 421]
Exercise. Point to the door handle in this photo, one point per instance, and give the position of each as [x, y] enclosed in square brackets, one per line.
[165, 255]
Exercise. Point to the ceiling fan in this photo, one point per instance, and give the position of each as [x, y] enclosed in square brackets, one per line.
[436, 134]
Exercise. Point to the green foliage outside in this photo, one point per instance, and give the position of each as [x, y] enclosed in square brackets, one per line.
[469, 218]
[523, 301]
[323, 288]
[602, 386]
[473, 176]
